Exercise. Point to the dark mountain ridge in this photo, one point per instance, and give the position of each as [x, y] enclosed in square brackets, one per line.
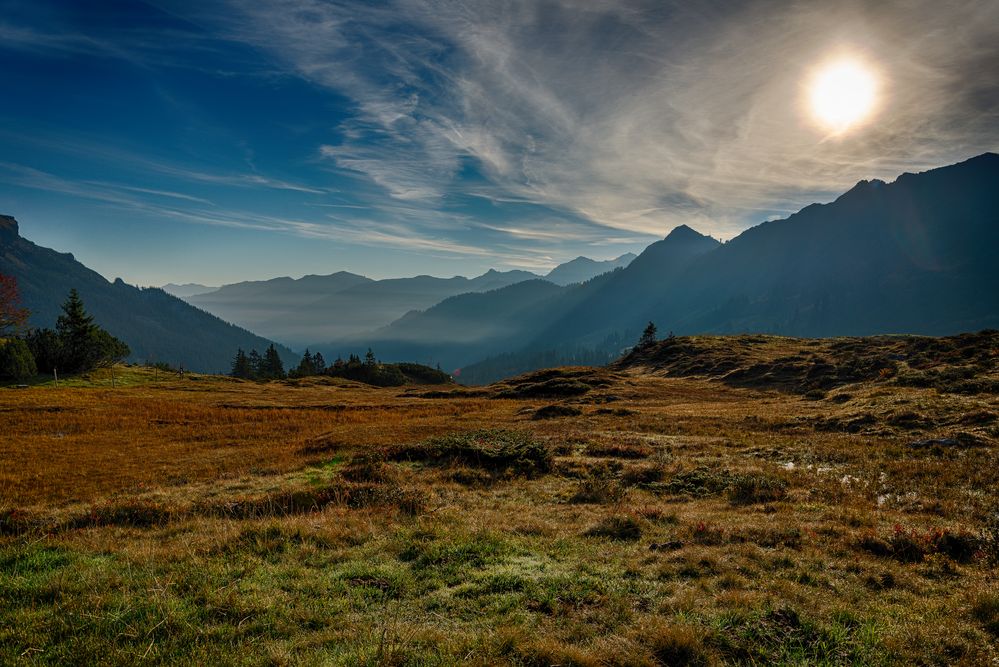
[913, 256]
[156, 326]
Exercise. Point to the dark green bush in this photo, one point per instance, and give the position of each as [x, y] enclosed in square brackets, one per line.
[16, 360]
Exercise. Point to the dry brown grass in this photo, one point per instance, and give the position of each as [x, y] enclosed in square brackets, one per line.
[204, 520]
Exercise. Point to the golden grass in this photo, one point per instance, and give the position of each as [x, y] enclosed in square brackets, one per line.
[682, 521]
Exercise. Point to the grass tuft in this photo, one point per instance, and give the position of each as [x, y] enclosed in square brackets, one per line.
[498, 450]
[616, 528]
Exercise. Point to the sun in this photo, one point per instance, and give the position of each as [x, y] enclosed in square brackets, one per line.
[842, 94]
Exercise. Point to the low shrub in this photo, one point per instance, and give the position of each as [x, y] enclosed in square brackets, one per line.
[699, 483]
[757, 488]
[553, 411]
[912, 546]
[643, 475]
[366, 468]
[498, 450]
[136, 514]
[622, 528]
[553, 388]
[600, 487]
[707, 534]
[618, 450]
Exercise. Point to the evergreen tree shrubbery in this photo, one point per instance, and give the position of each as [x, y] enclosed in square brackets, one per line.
[272, 367]
[369, 370]
[253, 366]
[241, 367]
[46, 348]
[77, 344]
[16, 360]
[307, 366]
[648, 336]
[256, 364]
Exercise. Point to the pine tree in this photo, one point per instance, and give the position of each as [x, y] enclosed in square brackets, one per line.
[369, 358]
[75, 328]
[319, 363]
[241, 366]
[306, 366]
[83, 344]
[648, 336]
[273, 366]
[256, 363]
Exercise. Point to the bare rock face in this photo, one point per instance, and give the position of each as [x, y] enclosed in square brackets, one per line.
[8, 227]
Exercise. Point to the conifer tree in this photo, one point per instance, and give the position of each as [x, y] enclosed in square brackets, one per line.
[273, 366]
[648, 336]
[319, 363]
[75, 328]
[256, 363]
[84, 345]
[241, 366]
[306, 366]
[369, 358]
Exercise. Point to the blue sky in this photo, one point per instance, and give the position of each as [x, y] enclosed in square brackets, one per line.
[221, 141]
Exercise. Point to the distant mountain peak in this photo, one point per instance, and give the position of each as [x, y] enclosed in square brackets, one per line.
[683, 233]
[584, 268]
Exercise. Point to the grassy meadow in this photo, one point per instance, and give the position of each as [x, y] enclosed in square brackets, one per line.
[624, 516]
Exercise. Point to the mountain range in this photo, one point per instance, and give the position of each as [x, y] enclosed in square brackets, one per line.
[345, 305]
[156, 326]
[912, 256]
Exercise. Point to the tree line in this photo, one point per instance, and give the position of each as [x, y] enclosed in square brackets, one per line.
[76, 345]
[268, 366]
[254, 366]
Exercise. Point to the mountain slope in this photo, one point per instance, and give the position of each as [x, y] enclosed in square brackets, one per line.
[621, 302]
[340, 305]
[582, 269]
[913, 256]
[462, 328]
[157, 326]
[187, 289]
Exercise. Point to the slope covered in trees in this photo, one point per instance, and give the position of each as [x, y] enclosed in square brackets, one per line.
[156, 326]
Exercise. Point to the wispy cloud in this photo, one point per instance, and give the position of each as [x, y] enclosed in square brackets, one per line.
[633, 115]
[518, 132]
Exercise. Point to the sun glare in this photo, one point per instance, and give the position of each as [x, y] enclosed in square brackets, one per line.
[842, 94]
